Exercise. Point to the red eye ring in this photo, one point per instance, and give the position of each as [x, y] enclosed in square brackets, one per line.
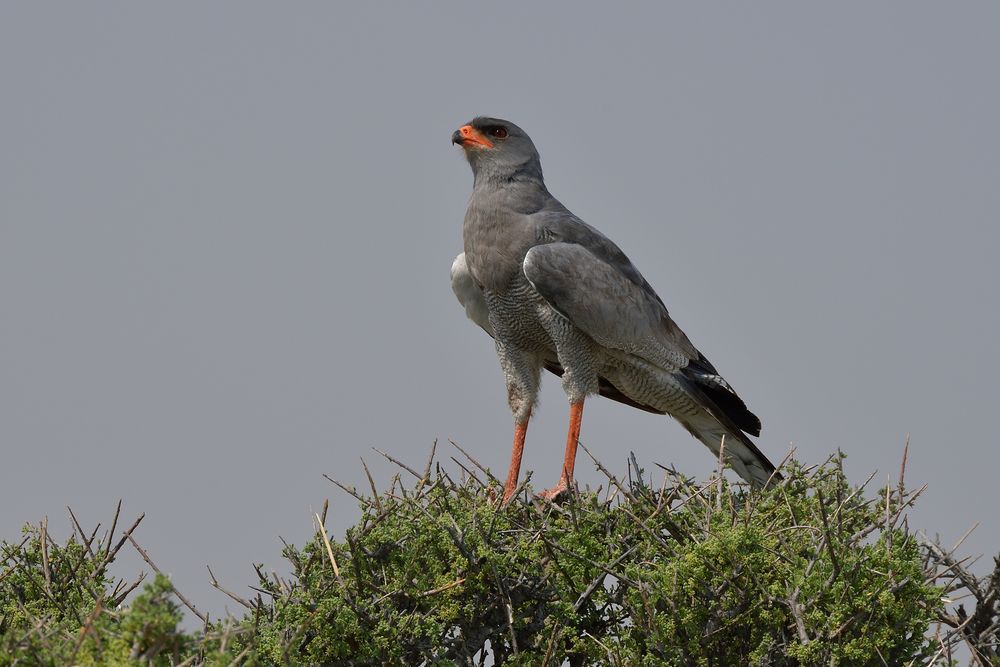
[499, 132]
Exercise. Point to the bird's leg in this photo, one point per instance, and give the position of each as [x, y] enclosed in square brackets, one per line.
[520, 431]
[569, 460]
[521, 369]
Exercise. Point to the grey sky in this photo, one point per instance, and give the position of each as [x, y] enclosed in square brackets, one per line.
[226, 229]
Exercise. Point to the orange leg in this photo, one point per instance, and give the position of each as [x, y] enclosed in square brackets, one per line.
[569, 460]
[520, 431]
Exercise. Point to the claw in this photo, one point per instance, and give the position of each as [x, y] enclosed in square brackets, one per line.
[555, 493]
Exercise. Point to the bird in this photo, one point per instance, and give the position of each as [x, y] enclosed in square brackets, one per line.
[557, 294]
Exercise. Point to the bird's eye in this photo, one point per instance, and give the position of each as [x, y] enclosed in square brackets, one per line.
[498, 132]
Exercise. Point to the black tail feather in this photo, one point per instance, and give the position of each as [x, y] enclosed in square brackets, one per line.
[725, 398]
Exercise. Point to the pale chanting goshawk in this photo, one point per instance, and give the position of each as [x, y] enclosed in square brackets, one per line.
[555, 293]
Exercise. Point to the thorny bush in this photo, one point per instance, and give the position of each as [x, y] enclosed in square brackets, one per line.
[811, 571]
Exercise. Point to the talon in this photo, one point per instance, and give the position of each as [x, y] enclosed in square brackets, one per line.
[555, 493]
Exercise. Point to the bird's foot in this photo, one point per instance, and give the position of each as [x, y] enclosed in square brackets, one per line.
[499, 499]
[557, 492]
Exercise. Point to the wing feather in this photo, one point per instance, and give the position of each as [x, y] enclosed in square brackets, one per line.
[622, 313]
[605, 304]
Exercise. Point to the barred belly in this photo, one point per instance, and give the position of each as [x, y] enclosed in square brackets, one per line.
[514, 315]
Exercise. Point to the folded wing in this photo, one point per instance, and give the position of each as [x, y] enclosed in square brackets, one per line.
[619, 313]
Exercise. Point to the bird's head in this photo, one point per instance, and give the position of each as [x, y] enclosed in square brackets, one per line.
[497, 147]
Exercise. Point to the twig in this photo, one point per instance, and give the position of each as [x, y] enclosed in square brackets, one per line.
[145, 557]
[120, 597]
[333, 559]
[828, 537]
[398, 462]
[111, 533]
[87, 628]
[352, 491]
[607, 473]
[598, 580]
[476, 463]
[441, 589]
[552, 640]
[902, 465]
[44, 527]
[110, 553]
[83, 536]
[371, 483]
[964, 537]
[721, 471]
[600, 566]
[430, 463]
[796, 608]
[232, 596]
[468, 472]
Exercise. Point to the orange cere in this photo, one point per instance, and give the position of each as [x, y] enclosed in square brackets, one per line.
[471, 135]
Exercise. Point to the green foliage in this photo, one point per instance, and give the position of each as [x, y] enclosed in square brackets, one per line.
[59, 606]
[34, 590]
[809, 572]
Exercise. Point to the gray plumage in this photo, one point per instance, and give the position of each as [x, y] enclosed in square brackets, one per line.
[555, 293]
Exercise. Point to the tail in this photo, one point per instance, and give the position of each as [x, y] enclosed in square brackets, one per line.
[740, 452]
[715, 423]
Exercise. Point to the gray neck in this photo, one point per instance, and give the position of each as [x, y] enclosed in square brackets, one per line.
[491, 173]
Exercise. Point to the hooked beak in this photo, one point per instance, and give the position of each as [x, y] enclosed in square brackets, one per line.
[469, 137]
